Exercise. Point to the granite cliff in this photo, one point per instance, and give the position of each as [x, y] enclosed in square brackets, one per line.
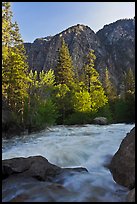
[114, 47]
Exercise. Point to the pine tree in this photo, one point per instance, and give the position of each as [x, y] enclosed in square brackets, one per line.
[129, 82]
[129, 94]
[109, 88]
[62, 100]
[64, 71]
[89, 70]
[14, 65]
[6, 24]
[6, 40]
[93, 83]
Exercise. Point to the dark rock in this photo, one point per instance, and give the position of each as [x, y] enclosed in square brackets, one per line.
[131, 196]
[35, 179]
[122, 165]
[100, 121]
[36, 166]
[76, 169]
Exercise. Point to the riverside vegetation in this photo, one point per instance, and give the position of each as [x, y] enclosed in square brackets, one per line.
[38, 99]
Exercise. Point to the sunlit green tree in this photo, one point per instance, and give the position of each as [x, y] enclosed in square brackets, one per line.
[14, 65]
[93, 83]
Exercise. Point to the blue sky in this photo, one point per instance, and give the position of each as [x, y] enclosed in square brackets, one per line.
[40, 19]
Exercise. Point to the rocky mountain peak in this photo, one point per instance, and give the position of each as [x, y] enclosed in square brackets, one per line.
[121, 29]
[114, 47]
[75, 30]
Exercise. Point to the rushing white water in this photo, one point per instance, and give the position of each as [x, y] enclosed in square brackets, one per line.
[89, 146]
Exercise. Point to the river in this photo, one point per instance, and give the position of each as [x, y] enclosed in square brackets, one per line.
[89, 146]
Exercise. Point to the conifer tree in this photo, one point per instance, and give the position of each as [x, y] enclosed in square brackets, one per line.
[109, 88]
[62, 100]
[6, 40]
[14, 65]
[129, 82]
[64, 70]
[89, 70]
[6, 24]
[93, 83]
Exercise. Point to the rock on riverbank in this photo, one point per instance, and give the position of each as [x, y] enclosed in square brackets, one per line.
[122, 165]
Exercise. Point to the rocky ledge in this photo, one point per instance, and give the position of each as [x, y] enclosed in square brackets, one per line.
[29, 179]
[122, 165]
[37, 167]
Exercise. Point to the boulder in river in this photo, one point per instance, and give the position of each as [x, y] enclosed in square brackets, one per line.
[100, 121]
[33, 178]
[122, 165]
[34, 166]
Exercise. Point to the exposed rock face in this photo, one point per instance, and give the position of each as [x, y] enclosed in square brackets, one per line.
[119, 41]
[100, 121]
[114, 47]
[122, 165]
[80, 39]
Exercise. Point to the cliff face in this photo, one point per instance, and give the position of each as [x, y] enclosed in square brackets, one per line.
[114, 47]
[119, 40]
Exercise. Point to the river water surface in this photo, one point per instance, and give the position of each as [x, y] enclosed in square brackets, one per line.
[89, 146]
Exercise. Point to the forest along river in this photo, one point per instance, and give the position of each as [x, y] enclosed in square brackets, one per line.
[89, 146]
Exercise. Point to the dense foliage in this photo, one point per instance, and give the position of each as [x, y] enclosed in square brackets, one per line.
[63, 96]
[14, 66]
